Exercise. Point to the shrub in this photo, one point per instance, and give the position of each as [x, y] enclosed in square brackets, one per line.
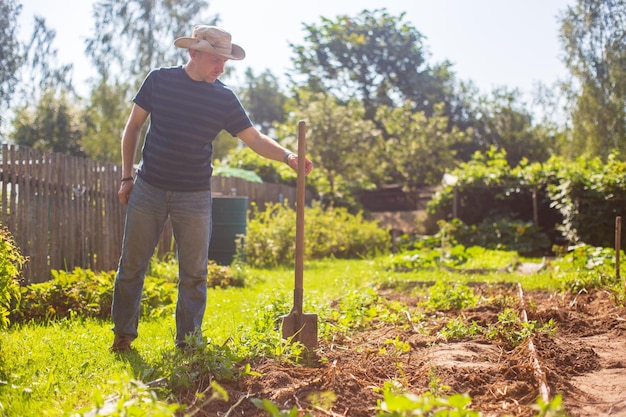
[329, 232]
[594, 267]
[501, 234]
[84, 293]
[78, 293]
[11, 263]
[575, 201]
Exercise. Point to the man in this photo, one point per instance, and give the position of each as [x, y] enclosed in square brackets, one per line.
[188, 106]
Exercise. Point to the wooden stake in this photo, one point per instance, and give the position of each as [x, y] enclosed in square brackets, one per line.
[618, 241]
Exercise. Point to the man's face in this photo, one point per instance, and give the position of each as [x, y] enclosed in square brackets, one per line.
[210, 65]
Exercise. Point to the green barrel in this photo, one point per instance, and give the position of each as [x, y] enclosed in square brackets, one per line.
[229, 221]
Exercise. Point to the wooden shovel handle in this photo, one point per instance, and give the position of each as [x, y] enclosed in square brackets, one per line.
[300, 201]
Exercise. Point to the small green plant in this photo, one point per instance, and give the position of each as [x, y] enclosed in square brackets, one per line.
[273, 410]
[397, 403]
[456, 329]
[193, 369]
[359, 309]
[434, 383]
[446, 296]
[513, 330]
[553, 408]
[396, 348]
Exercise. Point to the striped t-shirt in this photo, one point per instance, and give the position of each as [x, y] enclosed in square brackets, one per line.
[185, 118]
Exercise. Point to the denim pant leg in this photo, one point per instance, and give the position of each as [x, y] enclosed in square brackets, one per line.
[190, 214]
[145, 216]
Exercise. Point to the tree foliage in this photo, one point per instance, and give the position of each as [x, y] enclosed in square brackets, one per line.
[575, 201]
[419, 149]
[339, 141]
[10, 53]
[53, 125]
[374, 57]
[104, 118]
[503, 121]
[42, 72]
[135, 36]
[46, 117]
[593, 34]
[263, 99]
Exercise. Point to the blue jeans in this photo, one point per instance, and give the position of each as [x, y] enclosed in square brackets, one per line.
[147, 211]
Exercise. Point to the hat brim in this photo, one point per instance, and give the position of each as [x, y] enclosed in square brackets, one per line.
[237, 52]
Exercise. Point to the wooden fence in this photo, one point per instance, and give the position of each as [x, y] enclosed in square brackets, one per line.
[63, 211]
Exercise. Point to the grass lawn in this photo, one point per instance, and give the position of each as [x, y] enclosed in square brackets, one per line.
[62, 367]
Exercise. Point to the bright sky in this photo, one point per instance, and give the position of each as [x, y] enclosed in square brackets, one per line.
[493, 43]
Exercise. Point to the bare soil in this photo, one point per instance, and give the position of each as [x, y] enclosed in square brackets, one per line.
[585, 361]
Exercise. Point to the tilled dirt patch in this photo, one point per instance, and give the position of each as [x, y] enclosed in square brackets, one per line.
[584, 361]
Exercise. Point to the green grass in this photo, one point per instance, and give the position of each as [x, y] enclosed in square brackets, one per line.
[56, 369]
[59, 368]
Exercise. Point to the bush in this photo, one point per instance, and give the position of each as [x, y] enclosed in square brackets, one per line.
[574, 201]
[77, 293]
[330, 232]
[84, 293]
[589, 196]
[11, 263]
[502, 234]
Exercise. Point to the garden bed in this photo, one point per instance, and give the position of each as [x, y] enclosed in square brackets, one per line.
[584, 361]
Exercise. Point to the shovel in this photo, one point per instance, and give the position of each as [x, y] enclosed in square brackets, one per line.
[298, 326]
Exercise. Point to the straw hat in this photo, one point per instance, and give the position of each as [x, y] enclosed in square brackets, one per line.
[211, 39]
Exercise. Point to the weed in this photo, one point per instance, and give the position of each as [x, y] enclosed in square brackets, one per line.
[553, 408]
[512, 330]
[397, 403]
[456, 329]
[273, 410]
[434, 383]
[444, 296]
[595, 268]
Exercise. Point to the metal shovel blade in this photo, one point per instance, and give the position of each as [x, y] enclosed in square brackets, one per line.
[301, 327]
[298, 326]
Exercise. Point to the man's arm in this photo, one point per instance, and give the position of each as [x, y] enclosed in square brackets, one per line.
[269, 148]
[130, 140]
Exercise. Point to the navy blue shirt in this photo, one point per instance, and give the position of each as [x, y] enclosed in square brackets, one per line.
[185, 118]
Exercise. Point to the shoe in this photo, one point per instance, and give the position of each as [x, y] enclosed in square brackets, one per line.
[121, 344]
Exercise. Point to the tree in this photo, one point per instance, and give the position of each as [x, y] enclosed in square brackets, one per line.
[503, 121]
[52, 126]
[593, 35]
[135, 36]
[419, 150]
[263, 99]
[104, 119]
[373, 57]
[10, 54]
[338, 142]
[45, 118]
[42, 73]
